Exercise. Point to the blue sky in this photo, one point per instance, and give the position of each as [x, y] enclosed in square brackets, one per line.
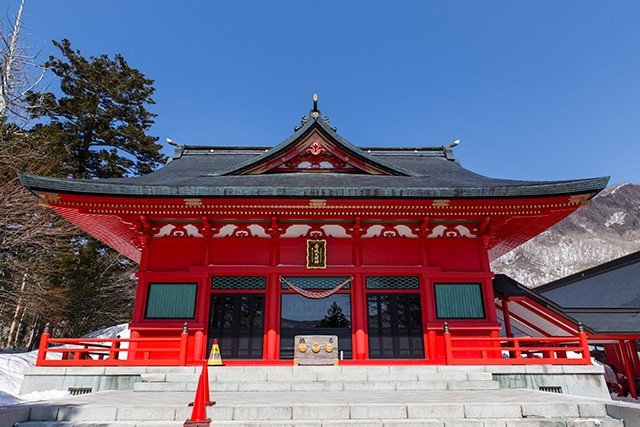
[538, 90]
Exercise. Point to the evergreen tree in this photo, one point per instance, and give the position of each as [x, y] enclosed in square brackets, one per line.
[101, 119]
[334, 318]
[96, 127]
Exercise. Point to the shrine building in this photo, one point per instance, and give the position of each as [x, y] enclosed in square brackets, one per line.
[379, 246]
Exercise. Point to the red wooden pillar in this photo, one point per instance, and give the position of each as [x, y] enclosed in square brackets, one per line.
[199, 346]
[487, 284]
[144, 255]
[628, 369]
[431, 346]
[204, 301]
[495, 343]
[633, 353]
[427, 299]
[142, 287]
[360, 340]
[272, 306]
[133, 346]
[506, 314]
[359, 318]
[428, 337]
[184, 342]
[584, 343]
[448, 352]
[44, 343]
[489, 300]
[270, 316]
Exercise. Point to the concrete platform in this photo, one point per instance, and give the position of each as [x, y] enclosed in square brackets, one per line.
[570, 379]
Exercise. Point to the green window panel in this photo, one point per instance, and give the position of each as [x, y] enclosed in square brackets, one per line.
[239, 282]
[316, 282]
[171, 301]
[459, 301]
[393, 282]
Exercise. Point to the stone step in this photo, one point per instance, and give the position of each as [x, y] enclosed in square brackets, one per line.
[319, 377]
[425, 422]
[340, 411]
[266, 369]
[319, 385]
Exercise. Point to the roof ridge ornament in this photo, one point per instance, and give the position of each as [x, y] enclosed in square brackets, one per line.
[303, 121]
[178, 152]
[315, 113]
[448, 151]
[328, 123]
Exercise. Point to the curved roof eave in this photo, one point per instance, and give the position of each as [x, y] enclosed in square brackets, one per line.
[535, 189]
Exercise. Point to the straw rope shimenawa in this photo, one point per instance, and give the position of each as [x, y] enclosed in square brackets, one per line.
[315, 295]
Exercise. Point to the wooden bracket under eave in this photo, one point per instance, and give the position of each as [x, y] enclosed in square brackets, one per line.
[582, 200]
[48, 197]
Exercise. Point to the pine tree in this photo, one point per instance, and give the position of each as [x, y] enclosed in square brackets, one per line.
[97, 127]
[100, 121]
[334, 318]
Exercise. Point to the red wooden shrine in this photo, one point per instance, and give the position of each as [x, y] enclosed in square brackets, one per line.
[219, 230]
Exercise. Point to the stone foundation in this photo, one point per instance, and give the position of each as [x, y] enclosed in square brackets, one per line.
[575, 380]
[578, 380]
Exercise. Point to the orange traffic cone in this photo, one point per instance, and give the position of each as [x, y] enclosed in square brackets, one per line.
[205, 385]
[204, 377]
[214, 356]
[199, 413]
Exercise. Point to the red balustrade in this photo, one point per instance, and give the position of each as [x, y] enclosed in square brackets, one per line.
[134, 351]
[189, 350]
[516, 351]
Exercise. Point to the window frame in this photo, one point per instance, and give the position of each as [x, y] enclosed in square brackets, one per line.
[482, 302]
[195, 300]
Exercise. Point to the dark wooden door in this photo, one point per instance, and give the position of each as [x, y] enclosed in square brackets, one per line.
[237, 321]
[395, 326]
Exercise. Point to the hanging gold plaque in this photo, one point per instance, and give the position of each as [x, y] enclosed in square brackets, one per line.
[316, 254]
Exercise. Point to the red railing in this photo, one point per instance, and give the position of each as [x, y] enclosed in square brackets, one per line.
[190, 350]
[134, 351]
[516, 351]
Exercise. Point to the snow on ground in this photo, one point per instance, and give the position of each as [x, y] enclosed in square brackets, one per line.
[110, 332]
[7, 399]
[12, 367]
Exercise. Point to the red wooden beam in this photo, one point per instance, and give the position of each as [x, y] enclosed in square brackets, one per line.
[631, 383]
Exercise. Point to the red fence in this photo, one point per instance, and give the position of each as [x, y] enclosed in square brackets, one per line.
[516, 351]
[185, 350]
[134, 351]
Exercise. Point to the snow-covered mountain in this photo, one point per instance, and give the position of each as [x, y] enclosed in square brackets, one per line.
[608, 229]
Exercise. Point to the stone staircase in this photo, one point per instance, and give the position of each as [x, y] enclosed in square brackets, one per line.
[380, 396]
[332, 414]
[320, 378]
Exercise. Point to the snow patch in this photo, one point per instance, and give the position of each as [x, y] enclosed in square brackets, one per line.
[6, 399]
[616, 218]
[11, 370]
[12, 367]
[43, 395]
[110, 332]
[618, 187]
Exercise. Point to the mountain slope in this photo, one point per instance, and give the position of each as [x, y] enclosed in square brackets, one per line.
[608, 229]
